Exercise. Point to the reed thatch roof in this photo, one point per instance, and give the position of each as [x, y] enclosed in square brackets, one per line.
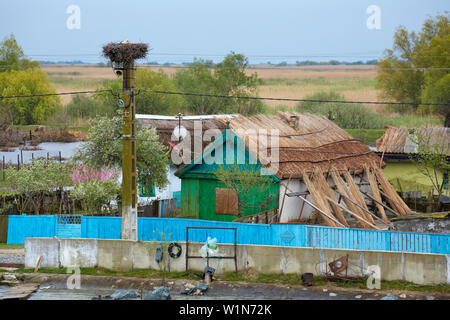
[306, 142]
[165, 126]
[403, 140]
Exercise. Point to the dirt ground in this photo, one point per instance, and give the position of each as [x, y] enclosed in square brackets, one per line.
[227, 290]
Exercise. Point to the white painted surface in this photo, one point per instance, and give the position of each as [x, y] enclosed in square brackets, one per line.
[48, 248]
[166, 193]
[78, 252]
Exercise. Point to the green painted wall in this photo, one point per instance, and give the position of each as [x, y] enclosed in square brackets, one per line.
[408, 176]
[198, 198]
[199, 183]
[207, 209]
[190, 198]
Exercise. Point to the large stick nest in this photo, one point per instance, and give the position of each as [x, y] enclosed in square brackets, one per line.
[125, 52]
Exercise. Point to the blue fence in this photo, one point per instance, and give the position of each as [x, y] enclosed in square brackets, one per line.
[171, 229]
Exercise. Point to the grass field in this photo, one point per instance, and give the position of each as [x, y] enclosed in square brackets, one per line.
[353, 82]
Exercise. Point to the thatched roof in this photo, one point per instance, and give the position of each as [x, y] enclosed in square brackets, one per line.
[165, 126]
[400, 140]
[125, 52]
[306, 142]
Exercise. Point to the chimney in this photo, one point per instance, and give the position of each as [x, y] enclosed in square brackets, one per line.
[293, 122]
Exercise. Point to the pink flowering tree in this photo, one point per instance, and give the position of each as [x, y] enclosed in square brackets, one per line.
[95, 189]
[83, 173]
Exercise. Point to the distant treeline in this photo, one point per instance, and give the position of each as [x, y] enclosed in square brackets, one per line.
[210, 63]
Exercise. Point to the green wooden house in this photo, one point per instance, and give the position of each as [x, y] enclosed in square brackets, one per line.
[204, 196]
[293, 144]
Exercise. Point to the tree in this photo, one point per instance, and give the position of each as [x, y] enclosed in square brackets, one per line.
[431, 156]
[104, 148]
[95, 189]
[229, 78]
[87, 107]
[429, 48]
[247, 182]
[33, 181]
[30, 110]
[150, 103]
[12, 56]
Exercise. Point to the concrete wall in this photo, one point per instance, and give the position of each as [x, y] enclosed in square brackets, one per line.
[126, 255]
[423, 225]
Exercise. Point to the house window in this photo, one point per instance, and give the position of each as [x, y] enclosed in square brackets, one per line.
[145, 191]
[226, 201]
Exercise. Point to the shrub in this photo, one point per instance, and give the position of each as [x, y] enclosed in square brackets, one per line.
[345, 115]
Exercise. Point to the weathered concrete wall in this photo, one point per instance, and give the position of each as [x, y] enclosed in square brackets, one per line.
[126, 255]
[48, 248]
[78, 252]
[423, 225]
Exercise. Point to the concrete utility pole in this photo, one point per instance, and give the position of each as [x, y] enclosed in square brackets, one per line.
[129, 182]
[123, 55]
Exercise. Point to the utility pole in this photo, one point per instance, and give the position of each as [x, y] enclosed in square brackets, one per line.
[123, 55]
[129, 182]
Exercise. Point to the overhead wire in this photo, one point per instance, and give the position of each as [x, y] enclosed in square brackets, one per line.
[138, 91]
[289, 99]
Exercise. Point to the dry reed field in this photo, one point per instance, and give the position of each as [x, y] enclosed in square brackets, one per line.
[353, 82]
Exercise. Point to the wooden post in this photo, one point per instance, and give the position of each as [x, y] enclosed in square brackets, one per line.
[38, 264]
[376, 193]
[129, 180]
[324, 213]
[353, 214]
[284, 196]
[381, 203]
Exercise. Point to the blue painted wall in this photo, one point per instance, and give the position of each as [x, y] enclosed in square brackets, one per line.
[171, 229]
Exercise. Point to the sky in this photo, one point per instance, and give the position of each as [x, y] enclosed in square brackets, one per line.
[179, 30]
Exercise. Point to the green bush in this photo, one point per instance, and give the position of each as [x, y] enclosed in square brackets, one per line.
[96, 195]
[86, 107]
[345, 115]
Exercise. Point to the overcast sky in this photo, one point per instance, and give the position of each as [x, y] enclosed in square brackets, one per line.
[178, 30]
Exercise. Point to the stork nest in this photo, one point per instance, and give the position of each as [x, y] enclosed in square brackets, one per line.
[125, 52]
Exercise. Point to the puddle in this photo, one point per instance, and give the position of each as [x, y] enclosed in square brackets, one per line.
[67, 150]
[3, 289]
[66, 294]
[51, 292]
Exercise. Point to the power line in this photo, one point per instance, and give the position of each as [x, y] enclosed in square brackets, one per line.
[53, 94]
[289, 99]
[229, 97]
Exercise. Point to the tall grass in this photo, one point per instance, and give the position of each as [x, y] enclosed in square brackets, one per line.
[357, 116]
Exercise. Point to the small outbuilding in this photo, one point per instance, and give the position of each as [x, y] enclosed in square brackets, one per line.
[398, 147]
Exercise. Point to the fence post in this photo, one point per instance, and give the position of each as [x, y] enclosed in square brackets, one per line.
[18, 162]
[3, 168]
